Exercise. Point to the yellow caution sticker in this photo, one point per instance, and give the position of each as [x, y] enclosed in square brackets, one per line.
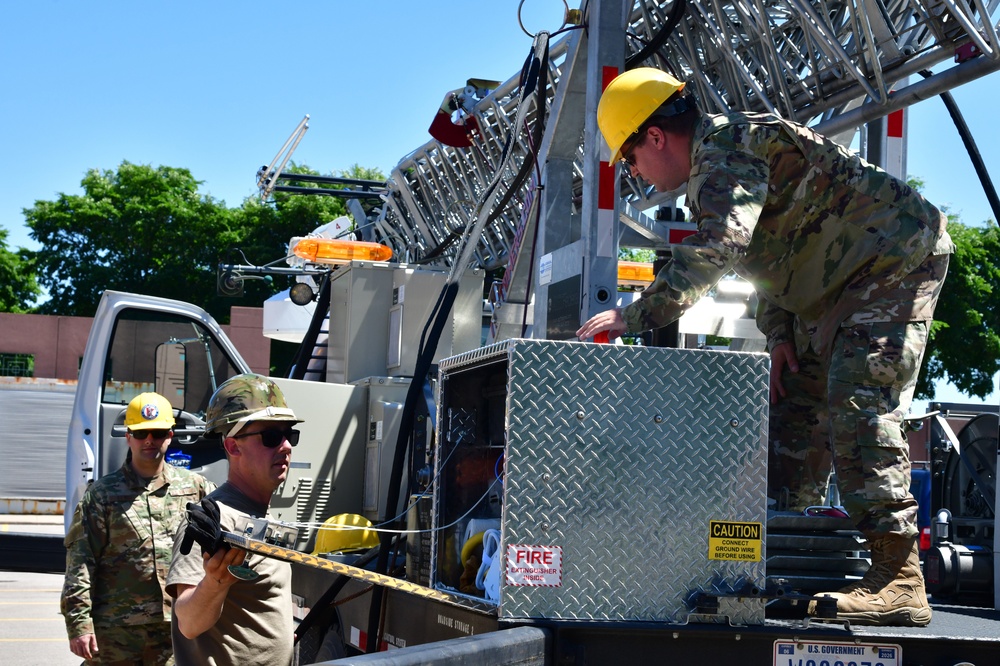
[729, 540]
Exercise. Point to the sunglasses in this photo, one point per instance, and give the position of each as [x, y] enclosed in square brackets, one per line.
[157, 433]
[628, 159]
[272, 439]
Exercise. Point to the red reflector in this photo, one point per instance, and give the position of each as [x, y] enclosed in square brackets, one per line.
[677, 235]
[925, 538]
[894, 124]
[932, 568]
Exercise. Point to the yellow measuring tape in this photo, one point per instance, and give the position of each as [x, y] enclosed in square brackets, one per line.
[290, 555]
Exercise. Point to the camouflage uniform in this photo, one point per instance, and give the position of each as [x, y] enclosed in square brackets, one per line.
[118, 552]
[848, 264]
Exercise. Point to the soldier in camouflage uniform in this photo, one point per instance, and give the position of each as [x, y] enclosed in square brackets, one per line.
[119, 545]
[848, 263]
[218, 618]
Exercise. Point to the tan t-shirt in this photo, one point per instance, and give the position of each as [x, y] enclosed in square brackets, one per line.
[256, 622]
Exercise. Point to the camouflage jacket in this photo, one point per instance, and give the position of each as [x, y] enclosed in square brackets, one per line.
[820, 233]
[119, 546]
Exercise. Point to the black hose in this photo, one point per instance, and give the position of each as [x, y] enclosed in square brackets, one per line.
[413, 393]
[535, 71]
[660, 38]
[971, 148]
[331, 594]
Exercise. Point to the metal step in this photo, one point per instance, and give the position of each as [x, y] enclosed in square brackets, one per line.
[827, 565]
[832, 541]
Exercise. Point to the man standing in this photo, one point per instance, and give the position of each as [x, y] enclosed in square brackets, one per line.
[848, 264]
[219, 618]
[119, 546]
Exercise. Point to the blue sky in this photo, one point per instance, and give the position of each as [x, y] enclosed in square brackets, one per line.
[216, 87]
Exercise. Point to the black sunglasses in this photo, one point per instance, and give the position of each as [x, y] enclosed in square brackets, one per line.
[157, 433]
[272, 439]
[628, 159]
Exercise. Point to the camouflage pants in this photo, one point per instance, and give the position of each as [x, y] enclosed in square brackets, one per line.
[134, 645]
[848, 409]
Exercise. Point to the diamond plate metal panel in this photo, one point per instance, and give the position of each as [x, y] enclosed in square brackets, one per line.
[620, 457]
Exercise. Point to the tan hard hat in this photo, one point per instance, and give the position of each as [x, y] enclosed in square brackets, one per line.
[245, 398]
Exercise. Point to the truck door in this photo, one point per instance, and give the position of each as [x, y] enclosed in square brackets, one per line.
[138, 344]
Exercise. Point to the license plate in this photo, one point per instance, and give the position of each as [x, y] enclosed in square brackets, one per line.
[814, 653]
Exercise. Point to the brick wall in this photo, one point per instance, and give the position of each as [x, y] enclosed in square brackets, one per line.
[57, 343]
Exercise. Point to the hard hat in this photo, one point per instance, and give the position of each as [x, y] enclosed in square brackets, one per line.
[629, 100]
[245, 398]
[346, 531]
[149, 410]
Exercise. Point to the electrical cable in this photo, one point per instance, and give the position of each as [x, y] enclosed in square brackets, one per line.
[971, 148]
[539, 187]
[497, 481]
[338, 584]
[331, 594]
[660, 38]
[485, 211]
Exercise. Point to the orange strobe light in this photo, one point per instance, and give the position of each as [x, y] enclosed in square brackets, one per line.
[333, 251]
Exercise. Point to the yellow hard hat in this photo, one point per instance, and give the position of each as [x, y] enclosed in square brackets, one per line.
[629, 100]
[149, 410]
[345, 531]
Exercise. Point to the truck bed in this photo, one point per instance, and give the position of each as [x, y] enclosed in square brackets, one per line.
[956, 634]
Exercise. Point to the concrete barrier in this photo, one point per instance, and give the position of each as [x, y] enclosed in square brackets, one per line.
[521, 646]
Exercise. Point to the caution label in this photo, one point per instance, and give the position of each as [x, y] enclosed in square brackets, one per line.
[742, 542]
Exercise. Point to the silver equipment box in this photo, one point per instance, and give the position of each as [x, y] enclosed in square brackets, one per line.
[625, 481]
[377, 315]
[386, 396]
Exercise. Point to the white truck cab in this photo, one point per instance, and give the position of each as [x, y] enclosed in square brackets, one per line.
[137, 344]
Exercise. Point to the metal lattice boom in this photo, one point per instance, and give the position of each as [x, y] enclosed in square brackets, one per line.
[831, 64]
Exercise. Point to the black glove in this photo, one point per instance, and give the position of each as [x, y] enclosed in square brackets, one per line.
[202, 526]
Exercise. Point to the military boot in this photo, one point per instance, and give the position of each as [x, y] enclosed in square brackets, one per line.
[892, 592]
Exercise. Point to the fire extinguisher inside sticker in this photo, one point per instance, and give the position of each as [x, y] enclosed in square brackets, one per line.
[539, 566]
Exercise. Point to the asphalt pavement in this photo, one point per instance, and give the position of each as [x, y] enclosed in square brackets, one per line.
[32, 632]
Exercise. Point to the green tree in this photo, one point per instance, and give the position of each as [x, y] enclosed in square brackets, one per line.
[358, 172]
[137, 228]
[964, 344]
[636, 254]
[148, 230]
[269, 226]
[18, 285]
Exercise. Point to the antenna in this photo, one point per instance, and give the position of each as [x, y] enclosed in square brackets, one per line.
[267, 176]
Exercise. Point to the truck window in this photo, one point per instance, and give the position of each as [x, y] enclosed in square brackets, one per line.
[170, 354]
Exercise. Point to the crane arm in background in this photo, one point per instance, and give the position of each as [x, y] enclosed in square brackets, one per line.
[267, 175]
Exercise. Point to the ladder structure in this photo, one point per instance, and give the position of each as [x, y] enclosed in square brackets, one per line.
[832, 64]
